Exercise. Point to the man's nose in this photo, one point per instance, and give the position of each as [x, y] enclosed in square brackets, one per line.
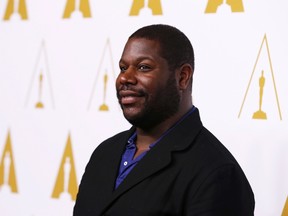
[128, 76]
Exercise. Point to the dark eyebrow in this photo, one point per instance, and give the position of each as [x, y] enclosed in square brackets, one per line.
[139, 59]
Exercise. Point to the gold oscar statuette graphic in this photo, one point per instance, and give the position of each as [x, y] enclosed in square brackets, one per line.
[16, 9]
[40, 78]
[106, 62]
[66, 186]
[39, 104]
[285, 210]
[7, 169]
[77, 8]
[138, 5]
[235, 5]
[104, 106]
[260, 114]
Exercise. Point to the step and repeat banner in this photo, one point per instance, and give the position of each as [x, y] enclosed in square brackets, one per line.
[58, 64]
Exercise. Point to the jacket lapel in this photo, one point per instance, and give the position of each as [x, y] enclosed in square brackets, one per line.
[113, 161]
[159, 156]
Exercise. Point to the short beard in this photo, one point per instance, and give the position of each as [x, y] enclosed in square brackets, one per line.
[165, 106]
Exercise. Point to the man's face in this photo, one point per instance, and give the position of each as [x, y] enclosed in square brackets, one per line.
[146, 88]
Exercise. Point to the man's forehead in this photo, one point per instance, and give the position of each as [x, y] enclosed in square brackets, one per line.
[141, 45]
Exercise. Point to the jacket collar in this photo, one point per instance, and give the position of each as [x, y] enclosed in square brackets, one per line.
[180, 138]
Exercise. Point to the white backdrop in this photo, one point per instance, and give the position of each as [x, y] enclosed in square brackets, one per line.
[58, 63]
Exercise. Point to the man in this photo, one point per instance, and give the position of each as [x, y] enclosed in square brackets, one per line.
[167, 163]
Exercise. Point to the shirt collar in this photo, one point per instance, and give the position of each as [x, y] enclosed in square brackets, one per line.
[131, 140]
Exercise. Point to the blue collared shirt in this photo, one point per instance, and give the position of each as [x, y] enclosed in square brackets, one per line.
[128, 162]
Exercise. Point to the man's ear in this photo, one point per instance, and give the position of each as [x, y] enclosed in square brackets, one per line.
[185, 76]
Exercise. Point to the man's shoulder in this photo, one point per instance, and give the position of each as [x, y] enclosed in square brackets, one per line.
[209, 157]
[209, 148]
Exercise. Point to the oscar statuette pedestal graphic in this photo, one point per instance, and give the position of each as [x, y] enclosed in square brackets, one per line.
[77, 9]
[5, 188]
[16, 10]
[148, 7]
[8, 183]
[104, 107]
[146, 10]
[224, 8]
[234, 5]
[66, 178]
[39, 104]
[15, 15]
[66, 186]
[77, 13]
[260, 114]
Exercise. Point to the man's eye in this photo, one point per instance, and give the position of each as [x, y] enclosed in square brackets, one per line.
[144, 67]
[122, 68]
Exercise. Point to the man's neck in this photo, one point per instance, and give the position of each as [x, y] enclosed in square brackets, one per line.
[146, 137]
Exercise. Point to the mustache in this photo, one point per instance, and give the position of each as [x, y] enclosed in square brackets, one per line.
[135, 90]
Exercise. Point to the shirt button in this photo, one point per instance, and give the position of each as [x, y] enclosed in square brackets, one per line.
[125, 163]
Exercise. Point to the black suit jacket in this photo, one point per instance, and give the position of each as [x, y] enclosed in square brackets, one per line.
[189, 172]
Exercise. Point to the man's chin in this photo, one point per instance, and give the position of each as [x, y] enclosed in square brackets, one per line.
[130, 118]
[133, 118]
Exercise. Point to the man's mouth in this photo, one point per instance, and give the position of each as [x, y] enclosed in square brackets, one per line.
[128, 97]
